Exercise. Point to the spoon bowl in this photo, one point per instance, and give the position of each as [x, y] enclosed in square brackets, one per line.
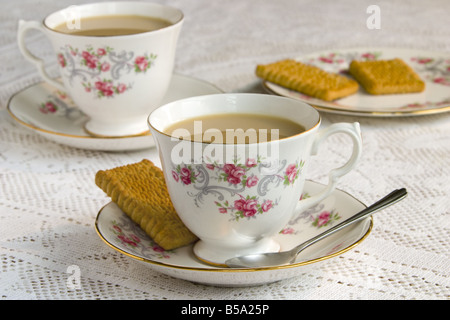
[287, 257]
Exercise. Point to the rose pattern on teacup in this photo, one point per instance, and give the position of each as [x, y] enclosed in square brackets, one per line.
[246, 182]
[246, 207]
[100, 69]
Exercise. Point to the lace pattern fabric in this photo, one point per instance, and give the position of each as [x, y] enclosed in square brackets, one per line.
[49, 201]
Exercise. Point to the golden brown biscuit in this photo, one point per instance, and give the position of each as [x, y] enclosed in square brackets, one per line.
[140, 190]
[386, 76]
[307, 79]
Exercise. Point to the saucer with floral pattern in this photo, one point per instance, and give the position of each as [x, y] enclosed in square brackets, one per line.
[126, 237]
[432, 67]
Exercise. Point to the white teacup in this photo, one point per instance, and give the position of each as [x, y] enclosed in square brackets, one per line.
[116, 80]
[205, 181]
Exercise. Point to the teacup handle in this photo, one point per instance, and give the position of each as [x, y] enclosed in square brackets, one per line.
[24, 27]
[351, 129]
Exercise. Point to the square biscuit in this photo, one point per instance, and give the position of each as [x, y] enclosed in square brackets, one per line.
[139, 189]
[386, 76]
[307, 79]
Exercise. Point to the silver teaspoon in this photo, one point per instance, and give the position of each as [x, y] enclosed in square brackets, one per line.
[288, 257]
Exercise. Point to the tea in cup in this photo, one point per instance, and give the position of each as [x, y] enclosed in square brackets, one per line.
[235, 167]
[115, 59]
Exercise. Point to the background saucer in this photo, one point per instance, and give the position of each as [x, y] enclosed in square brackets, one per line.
[52, 114]
[432, 67]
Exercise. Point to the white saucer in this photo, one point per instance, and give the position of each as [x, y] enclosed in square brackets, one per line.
[432, 67]
[119, 232]
[52, 114]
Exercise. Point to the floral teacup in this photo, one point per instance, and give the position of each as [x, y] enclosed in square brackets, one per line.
[236, 197]
[116, 80]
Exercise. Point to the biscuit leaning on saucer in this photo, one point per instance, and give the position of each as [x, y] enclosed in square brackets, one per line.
[307, 79]
[386, 76]
[139, 189]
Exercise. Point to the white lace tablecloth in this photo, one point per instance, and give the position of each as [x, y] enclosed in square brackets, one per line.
[49, 202]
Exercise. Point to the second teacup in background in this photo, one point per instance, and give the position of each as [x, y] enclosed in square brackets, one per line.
[116, 78]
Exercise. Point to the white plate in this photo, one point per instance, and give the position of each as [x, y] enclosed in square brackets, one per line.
[432, 67]
[52, 114]
[119, 232]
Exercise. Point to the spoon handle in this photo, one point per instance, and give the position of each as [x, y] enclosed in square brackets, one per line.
[388, 200]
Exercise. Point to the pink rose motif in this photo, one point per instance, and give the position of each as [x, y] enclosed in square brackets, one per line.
[251, 163]
[101, 51]
[234, 173]
[50, 106]
[61, 94]
[92, 64]
[105, 88]
[210, 166]
[127, 240]
[91, 61]
[157, 248]
[414, 105]
[267, 205]
[441, 80]
[61, 60]
[291, 173]
[135, 238]
[117, 228]
[247, 206]
[287, 231]
[252, 181]
[185, 176]
[121, 88]
[105, 66]
[424, 60]
[223, 210]
[108, 91]
[175, 176]
[141, 63]
[326, 60]
[323, 218]
[368, 56]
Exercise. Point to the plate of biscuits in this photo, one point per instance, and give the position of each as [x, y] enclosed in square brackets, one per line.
[141, 223]
[383, 82]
